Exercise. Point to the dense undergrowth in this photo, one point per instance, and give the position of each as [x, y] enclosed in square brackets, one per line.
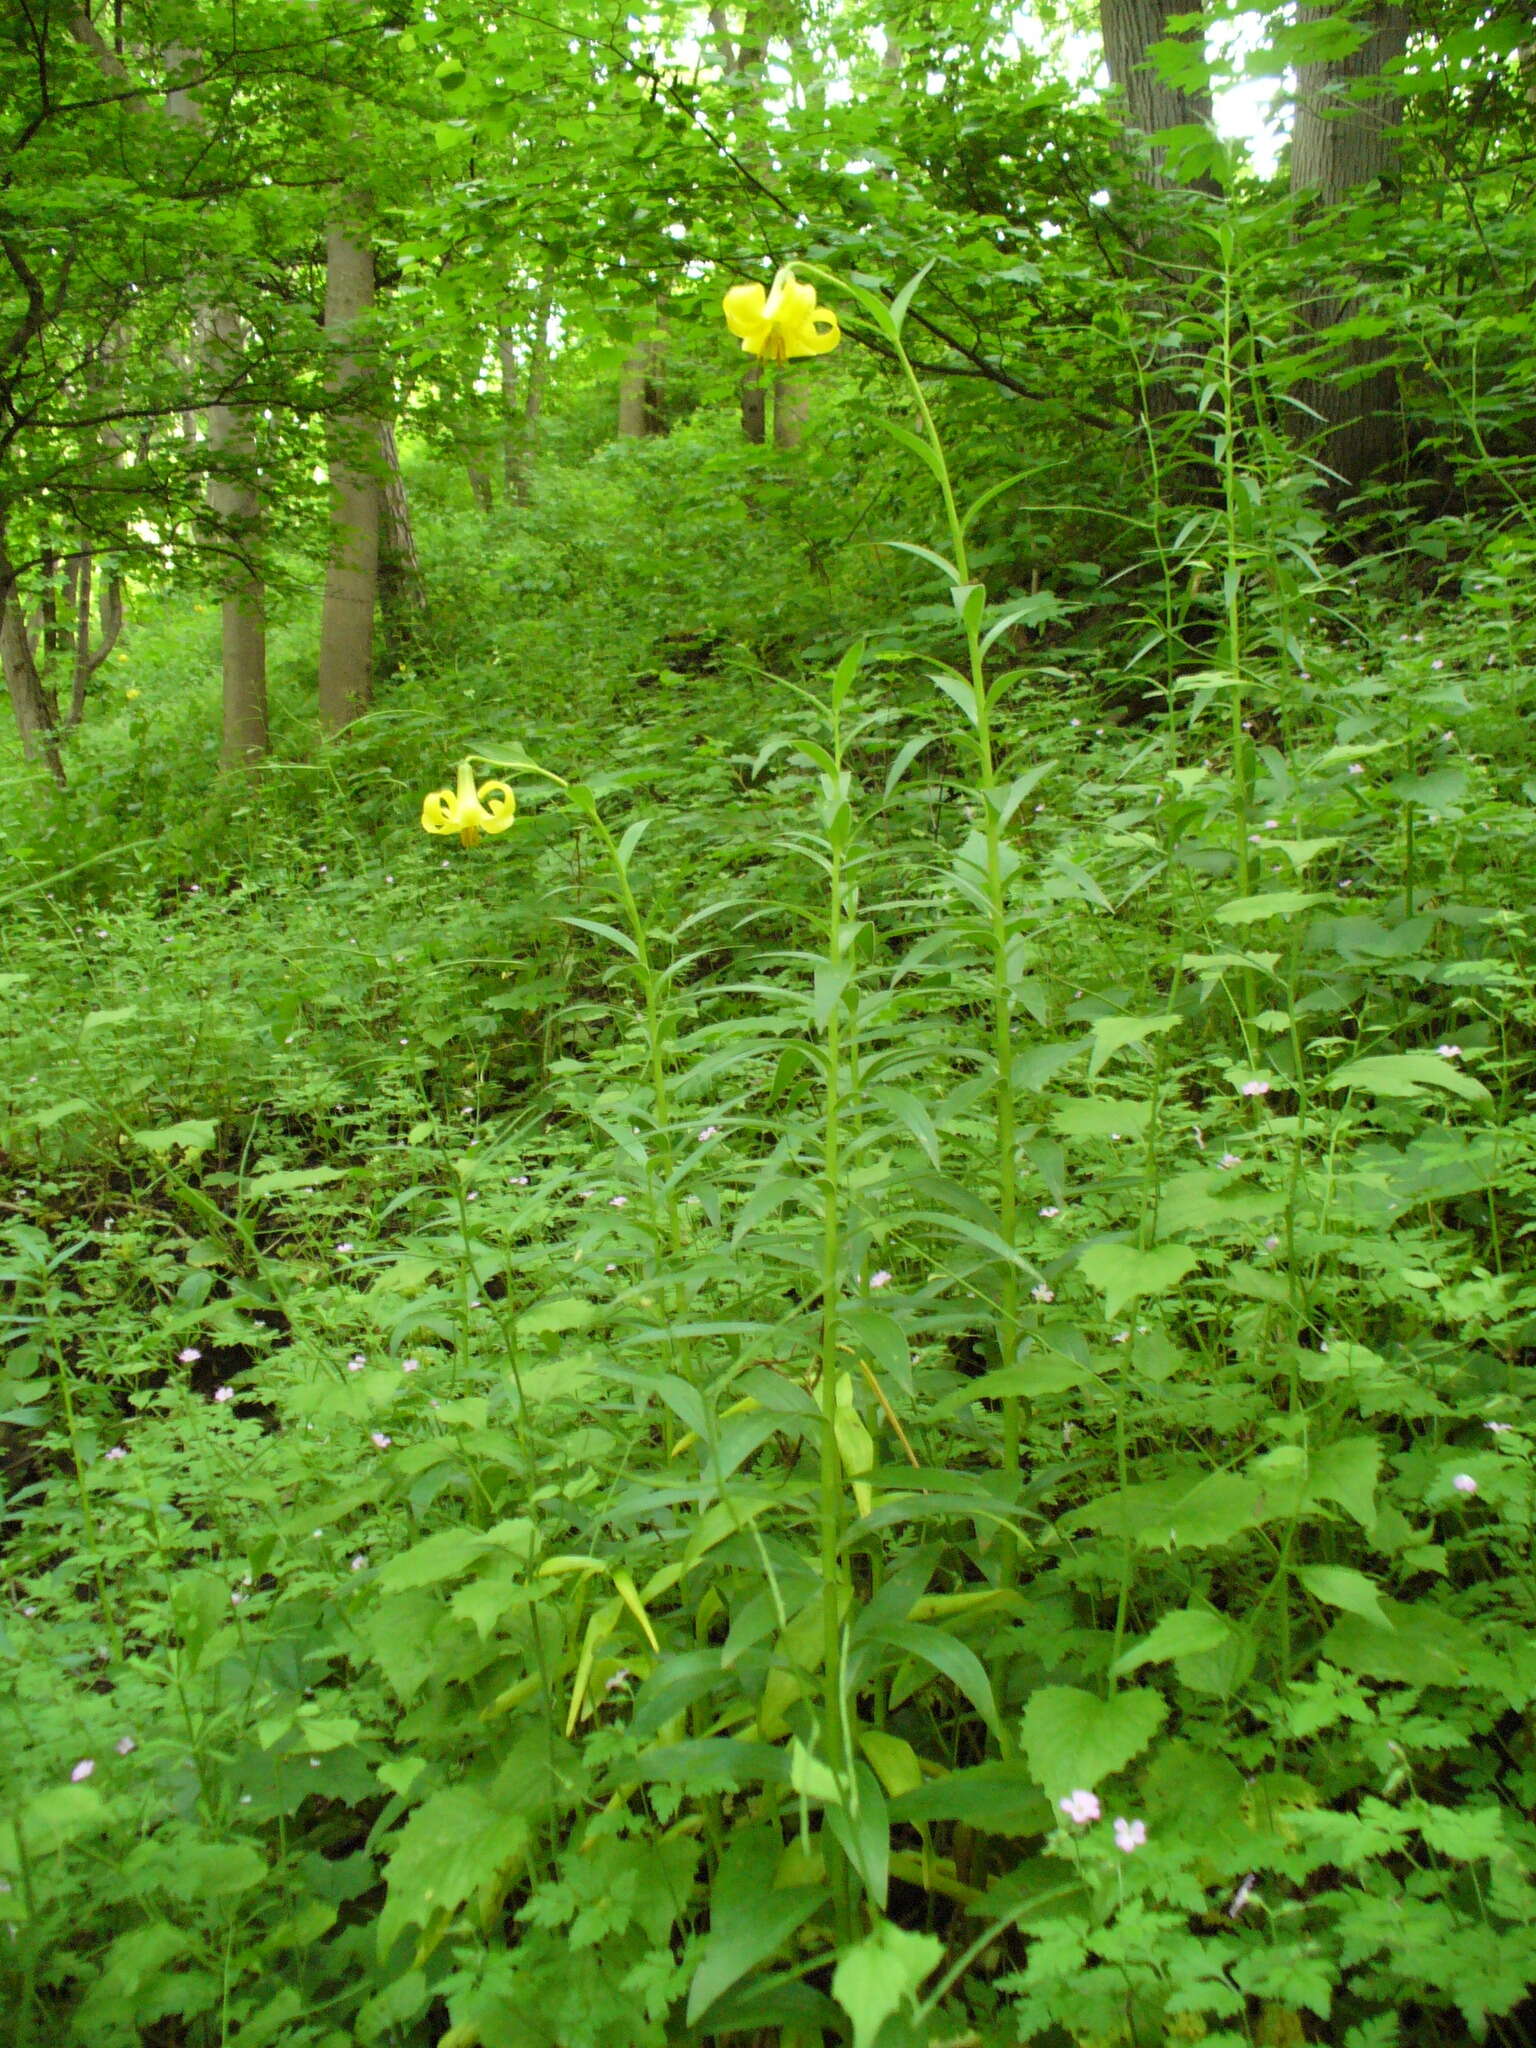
[869, 1382]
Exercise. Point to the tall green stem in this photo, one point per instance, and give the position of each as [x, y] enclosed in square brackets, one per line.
[1002, 1018]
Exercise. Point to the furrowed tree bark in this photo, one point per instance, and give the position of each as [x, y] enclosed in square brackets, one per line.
[352, 576]
[1166, 252]
[1129, 29]
[1344, 143]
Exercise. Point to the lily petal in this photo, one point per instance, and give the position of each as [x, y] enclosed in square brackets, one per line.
[439, 812]
[498, 806]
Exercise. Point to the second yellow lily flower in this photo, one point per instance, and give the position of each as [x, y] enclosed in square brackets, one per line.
[467, 810]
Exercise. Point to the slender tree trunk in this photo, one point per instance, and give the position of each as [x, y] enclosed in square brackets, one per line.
[791, 407]
[511, 415]
[633, 411]
[89, 659]
[754, 405]
[1341, 144]
[23, 686]
[351, 583]
[235, 503]
[533, 400]
[402, 587]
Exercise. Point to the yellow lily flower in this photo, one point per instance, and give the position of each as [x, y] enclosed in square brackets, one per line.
[783, 322]
[467, 810]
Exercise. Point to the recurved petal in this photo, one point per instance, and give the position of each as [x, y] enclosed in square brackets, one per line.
[743, 305]
[816, 334]
[440, 812]
[498, 806]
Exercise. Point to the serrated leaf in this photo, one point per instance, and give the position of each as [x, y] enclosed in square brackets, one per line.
[1114, 1034]
[880, 1976]
[1188, 1632]
[1122, 1273]
[1337, 1586]
[1073, 1740]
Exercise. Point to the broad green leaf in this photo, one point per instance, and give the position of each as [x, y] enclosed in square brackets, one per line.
[1345, 1471]
[1185, 1633]
[1124, 1274]
[880, 1976]
[550, 1318]
[1114, 1034]
[998, 1798]
[1407, 1074]
[749, 1918]
[1074, 1740]
[1280, 903]
[1338, 1586]
[292, 1179]
[194, 1134]
[454, 1843]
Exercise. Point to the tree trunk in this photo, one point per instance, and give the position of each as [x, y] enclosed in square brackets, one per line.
[351, 583]
[235, 504]
[754, 405]
[402, 587]
[1129, 29]
[1341, 144]
[38, 742]
[511, 416]
[634, 413]
[87, 658]
[791, 407]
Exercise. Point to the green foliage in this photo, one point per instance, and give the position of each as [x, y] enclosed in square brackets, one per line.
[853, 1387]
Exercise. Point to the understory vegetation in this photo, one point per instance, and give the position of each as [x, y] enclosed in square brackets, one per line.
[870, 1379]
[766, 1187]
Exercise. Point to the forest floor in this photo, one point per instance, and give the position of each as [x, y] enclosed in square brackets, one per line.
[465, 1585]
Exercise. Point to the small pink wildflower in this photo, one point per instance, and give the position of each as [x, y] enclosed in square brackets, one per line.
[382, 1440]
[82, 1770]
[1242, 1895]
[880, 1279]
[1043, 1293]
[410, 1365]
[125, 1745]
[1228, 1160]
[519, 1180]
[344, 1246]
[1130, 1835]
[356, 1362]
[359, 1561]
[1464, 1483]
[1049, 1211]
[1449, 1052]
[189, 1354]
[1497, 1429]
[117, 1451]
[222, 1394]
[709, 1131]
[1255, 1087]
[618, 1201]
[1080, 1808]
